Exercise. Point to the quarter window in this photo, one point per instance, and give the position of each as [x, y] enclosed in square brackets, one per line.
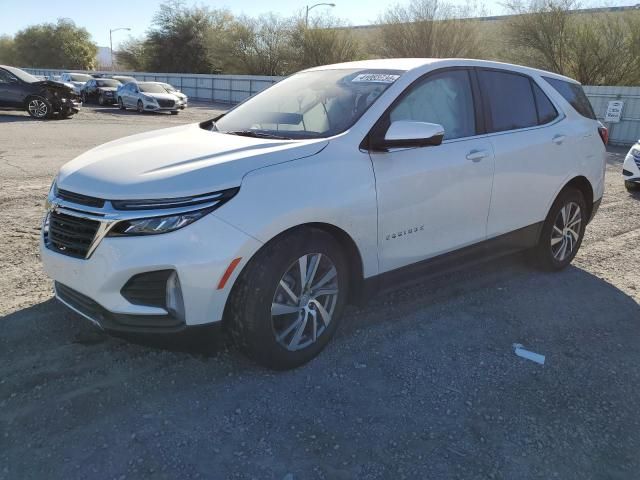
[508, 99]
[546, 111]
[443, 98]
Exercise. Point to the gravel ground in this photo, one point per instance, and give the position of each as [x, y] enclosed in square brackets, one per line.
[420, 383]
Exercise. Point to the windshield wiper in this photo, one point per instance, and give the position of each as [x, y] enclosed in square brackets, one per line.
[256, 134]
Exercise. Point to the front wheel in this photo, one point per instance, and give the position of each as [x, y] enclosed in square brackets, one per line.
[121, 104]
[286, 304]
[174, 112]
[140, 107]
[562, 232]
[101, 100]
[39, 107]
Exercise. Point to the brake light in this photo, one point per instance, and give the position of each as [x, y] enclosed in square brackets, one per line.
[604, 134]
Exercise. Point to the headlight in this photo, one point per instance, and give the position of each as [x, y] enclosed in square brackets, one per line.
[149, 99]
[156, 225]
[635, 152]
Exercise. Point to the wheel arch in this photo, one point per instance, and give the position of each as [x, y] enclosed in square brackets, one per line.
[582, 184]
[354, 258]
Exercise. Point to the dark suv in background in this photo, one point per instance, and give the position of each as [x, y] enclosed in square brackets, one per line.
[42, 99]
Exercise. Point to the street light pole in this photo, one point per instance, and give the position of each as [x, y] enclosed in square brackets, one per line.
[111, 30]
[306, 16]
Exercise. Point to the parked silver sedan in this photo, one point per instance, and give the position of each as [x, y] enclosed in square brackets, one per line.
[148, 97]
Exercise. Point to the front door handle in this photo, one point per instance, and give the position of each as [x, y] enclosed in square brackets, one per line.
[477, 155]
[558, 139]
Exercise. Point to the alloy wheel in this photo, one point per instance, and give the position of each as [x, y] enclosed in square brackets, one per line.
[38, 108]
[566, 231]
[304, 301]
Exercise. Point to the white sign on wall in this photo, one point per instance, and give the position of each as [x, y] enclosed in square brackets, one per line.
[614, 111]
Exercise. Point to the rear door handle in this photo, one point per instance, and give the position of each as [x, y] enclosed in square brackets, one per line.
[477, 155]
[558, 139]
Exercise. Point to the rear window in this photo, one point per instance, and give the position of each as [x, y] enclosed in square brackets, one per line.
[509, 100]
[574, 94]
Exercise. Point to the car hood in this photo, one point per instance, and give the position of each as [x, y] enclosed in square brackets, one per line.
[107, 89]
[159, 96]
[55, 84]
[176, 162]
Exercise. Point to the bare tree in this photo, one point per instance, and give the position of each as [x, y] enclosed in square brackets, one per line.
[261, 46]
[597, 48]
[325, 41]
[429, 28]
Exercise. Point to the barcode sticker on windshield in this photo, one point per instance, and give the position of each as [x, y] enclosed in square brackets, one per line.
[376, 78]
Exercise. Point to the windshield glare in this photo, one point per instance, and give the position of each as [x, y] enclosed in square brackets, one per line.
[76, 77]
[22, 75]
[313, 104]
[151, 88]
[108, 83]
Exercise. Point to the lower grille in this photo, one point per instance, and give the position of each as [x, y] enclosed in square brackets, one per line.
[637, 160]
[80, 302]
[166, 103]
[71, 235]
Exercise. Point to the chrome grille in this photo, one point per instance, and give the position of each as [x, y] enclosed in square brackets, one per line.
[71, 235]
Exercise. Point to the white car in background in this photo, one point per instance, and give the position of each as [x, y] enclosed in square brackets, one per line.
[147, 97]
[631, 169]
[333, 184]
[77, 80]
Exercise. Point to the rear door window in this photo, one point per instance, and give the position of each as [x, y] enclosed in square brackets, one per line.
[508, 100]
[574, 94]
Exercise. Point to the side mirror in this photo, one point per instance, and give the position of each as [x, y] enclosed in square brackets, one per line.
[407, 133]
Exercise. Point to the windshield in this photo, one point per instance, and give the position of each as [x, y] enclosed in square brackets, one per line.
[108, 83]
[22, 75]
[313, 104]
[125, 79]
[79, 77]
[168, 88]
[151, 88]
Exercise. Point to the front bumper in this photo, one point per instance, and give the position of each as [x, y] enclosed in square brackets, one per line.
[200, 254]
[631, 168]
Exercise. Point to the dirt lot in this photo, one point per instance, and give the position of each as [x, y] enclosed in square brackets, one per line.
[420, 383]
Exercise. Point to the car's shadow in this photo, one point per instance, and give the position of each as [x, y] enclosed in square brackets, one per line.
[15, 117]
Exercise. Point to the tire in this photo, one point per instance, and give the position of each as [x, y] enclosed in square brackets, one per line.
[39, 107]
[140, 107]
[562, 232]
[632, 186]
[174, 112]
[67, 113]
[121, 104]
[101, 100]
[249, 314]
[84, 98]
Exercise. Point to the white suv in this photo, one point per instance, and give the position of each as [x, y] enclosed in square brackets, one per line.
[333, 184]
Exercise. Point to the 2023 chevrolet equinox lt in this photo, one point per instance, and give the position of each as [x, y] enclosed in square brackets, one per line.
[332, 184]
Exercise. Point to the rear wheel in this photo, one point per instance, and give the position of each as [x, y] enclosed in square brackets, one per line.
[562, 232]
[286, 305]
[121, 104]
[39, 107]
[140, 106]
[631, 186]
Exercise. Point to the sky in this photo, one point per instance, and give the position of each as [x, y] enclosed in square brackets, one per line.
[99, 17]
